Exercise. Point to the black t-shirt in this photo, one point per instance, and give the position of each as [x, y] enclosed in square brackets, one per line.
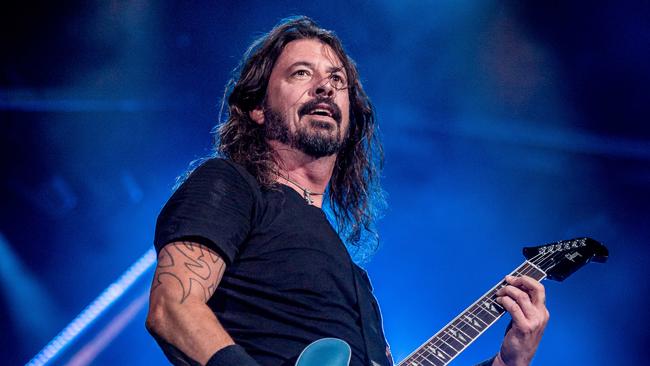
[289, 279]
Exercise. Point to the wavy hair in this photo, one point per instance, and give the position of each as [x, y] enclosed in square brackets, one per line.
[354, 192]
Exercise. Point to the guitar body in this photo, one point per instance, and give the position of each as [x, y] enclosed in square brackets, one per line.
[325, 352]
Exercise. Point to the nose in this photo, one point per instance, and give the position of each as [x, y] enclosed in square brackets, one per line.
[324, 89]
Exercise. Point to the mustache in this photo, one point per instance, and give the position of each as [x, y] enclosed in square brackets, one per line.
[308, 107]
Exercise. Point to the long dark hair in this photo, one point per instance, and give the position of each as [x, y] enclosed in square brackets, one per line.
[354, 191]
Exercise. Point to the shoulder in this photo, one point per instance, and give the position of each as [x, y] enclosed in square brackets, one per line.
[214, 206]
[219, 166]
[216, 182]
[219, 172]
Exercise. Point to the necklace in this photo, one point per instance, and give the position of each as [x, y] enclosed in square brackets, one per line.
[306, 193]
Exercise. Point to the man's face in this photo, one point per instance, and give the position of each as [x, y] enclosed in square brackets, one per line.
[307, 105]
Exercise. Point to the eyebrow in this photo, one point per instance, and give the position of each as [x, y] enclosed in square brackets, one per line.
[310, 65]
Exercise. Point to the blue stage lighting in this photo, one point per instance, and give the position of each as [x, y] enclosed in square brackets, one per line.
[94, 310]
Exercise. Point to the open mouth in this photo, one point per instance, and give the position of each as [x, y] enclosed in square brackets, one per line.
[325, 112]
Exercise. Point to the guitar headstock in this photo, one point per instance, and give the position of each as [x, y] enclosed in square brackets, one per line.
[560, 259]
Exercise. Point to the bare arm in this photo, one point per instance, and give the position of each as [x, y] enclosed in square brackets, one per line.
[186, 276]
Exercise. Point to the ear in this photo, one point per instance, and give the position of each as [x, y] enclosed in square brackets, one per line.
[257, 115]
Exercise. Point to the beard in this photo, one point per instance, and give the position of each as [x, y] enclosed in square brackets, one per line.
[314, 138]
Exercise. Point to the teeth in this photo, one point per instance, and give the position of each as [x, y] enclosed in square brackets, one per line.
[320, 111]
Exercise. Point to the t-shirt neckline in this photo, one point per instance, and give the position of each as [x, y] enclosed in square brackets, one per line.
[299, 196]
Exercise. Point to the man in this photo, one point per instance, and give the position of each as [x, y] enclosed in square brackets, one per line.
[249, 269]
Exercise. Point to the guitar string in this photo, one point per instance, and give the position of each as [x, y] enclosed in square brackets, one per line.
[523, 270]
[446, 337]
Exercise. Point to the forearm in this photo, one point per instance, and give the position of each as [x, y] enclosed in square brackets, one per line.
[191, 327]
[186, 277]
[497, 361]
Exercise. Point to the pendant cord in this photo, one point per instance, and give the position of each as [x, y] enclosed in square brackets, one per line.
[306, 193]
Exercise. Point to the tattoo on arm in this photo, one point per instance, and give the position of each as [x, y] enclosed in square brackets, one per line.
[192, 266]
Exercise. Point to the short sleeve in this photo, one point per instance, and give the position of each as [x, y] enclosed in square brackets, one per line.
[213, 207]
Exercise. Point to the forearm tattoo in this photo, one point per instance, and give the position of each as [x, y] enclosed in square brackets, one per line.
[190, 265]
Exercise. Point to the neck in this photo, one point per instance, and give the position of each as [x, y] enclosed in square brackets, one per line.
[305, 171]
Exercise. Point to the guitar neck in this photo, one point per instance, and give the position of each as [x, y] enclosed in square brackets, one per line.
[451, 340]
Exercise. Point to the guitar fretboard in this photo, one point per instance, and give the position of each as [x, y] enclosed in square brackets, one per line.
[451, 340]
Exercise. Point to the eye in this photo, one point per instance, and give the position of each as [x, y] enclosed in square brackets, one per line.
[338, 81]
[301, 74]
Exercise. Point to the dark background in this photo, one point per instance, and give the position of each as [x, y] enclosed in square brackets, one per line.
[505, 124]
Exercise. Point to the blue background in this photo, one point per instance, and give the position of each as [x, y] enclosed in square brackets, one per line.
[505, 124]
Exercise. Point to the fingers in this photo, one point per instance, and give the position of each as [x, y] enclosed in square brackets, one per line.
[519, 297]
[523, 298]
[534, 289]
[513, 308]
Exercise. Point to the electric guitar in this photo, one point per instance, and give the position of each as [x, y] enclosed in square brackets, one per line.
[555, 261]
